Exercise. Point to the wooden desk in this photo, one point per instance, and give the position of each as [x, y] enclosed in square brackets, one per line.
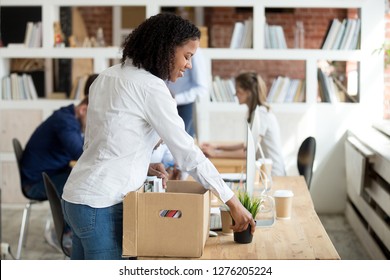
[302, 237]
[229, 165]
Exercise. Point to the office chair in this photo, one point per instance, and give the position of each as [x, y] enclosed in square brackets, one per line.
[27, 209]
[56, 211]
[305, 161]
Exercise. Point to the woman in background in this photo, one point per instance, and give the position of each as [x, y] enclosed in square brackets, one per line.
[252, 91]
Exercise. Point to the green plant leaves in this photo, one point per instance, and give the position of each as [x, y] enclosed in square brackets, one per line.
[252, 204]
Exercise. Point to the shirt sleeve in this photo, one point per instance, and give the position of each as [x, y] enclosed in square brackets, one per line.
[161, 113]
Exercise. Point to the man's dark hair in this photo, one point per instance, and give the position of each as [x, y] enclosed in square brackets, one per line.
[84, 101]
[152, 44]
[89, 82]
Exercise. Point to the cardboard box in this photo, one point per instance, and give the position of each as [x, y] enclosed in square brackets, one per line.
[146, 232]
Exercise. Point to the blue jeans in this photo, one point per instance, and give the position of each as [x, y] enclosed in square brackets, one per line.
[97, 232]
[185, 112]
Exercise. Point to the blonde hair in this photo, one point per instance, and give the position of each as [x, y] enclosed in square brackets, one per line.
[255, 85]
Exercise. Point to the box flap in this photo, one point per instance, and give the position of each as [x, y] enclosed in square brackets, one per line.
[130, 227]
[178, 186]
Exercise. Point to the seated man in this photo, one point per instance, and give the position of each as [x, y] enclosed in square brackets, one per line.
[55, 142]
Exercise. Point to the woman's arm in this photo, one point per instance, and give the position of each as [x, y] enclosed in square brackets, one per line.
[224, 151]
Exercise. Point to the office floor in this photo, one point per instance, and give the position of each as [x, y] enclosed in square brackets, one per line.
[345, 241]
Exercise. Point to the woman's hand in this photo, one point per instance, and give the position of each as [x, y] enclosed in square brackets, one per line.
[158, 169]
[174, 173]
[242, 218]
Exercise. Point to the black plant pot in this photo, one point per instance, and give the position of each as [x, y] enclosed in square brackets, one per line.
[243, 236]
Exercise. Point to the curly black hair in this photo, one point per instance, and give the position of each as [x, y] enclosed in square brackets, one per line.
[152, 44]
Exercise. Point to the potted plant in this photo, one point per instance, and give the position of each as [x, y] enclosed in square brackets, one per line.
[252, 204]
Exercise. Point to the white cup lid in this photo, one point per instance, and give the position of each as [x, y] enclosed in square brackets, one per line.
[283, 193]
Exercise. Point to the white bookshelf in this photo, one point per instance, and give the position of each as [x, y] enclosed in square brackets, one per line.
[222, 121]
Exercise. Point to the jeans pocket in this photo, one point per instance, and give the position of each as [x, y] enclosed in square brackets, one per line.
[81, 218]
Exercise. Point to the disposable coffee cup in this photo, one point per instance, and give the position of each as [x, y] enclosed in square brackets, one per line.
[283, 203]
[226, 221]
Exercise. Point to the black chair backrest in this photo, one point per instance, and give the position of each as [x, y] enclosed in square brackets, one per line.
[306, 155]
[18, 153]
[56, 210]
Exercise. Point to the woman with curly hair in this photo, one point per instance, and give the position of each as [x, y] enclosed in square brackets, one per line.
[130, 110]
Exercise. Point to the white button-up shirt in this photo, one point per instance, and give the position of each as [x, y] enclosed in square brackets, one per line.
[129, 111]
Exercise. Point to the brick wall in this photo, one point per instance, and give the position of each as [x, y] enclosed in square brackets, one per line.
[221, 23]
[95, 17]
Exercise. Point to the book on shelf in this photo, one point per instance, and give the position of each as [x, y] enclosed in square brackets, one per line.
[292, 91]
[242, 36]
[232, 89]
[223, 90]
[31, 87]
[331, 89]
[274, 37]
[286, 90]
[351, 24]
[213, 96]
[323, 86]
[216, 95]
[33, 35]
[339, 35]
[36, 40]
[282, 90]
[237, 35]
[267, 39]
[280, 37]
[300, 93]
[204, 39]
[279, 86]
[15, 93]
[356, 36]
[28, 33]
[272, 90]
[6, 88]
[342, 35]
[18, 87]
[331, 34]
[246, 41]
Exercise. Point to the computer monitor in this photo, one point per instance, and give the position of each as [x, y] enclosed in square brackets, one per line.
[250, 161]
[250, 170]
